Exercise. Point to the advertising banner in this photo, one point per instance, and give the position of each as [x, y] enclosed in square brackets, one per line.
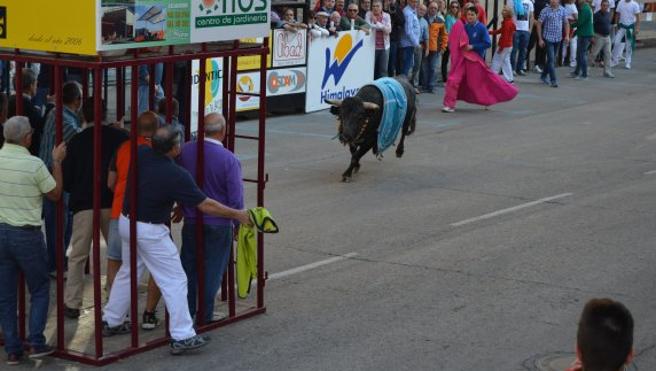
[248, 82]
[91, 26]
[214, 20]
[213, 88]
[143, 23]
[289, 48]
[338, 67]
[49, 26]
[286, 81]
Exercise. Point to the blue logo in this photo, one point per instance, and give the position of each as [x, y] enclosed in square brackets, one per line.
[344, 52]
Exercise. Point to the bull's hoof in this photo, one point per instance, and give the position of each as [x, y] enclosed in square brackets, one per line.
[346, 179]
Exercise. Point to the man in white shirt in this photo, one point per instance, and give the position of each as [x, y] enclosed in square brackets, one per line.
[523, 18]
[628, 14]
[572, 17]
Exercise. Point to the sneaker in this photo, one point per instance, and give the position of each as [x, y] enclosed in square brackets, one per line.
[554, 84]
[149, 320]
[448, 109]
[521, 73]
[627, 66]
[544, 80]
[581, 78]
[71, 312]
[572, 64]
[613, 64]
[537, 69]
[609, 75]
[14, 359]
[41, 351]
[121, 329]
[194, 342]
[219, 316]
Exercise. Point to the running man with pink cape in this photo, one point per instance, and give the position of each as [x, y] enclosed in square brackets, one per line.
[470, 79]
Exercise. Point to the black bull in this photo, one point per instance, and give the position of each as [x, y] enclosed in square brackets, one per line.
[359, 119]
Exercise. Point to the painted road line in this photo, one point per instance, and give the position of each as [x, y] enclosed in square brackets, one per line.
[509, 210]
[307, 267]
[650, 172]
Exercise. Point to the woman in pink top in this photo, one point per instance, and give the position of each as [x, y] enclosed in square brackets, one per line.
[381, 23]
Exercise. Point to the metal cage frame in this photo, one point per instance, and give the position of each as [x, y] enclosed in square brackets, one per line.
[98, 67]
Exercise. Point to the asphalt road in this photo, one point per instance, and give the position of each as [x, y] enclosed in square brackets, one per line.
[475, 251]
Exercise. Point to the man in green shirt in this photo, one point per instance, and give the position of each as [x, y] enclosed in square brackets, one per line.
[584, 33]
[24, 180]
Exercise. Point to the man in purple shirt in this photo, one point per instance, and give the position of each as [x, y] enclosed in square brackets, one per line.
[222, 182]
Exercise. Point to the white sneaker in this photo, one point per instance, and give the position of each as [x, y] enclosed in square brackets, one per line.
[627, 66]
[572, 64]
[448, 109]
[537, 69]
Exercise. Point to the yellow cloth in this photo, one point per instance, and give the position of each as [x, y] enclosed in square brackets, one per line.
[247, 248]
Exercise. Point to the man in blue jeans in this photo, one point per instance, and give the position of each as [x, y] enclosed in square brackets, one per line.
[222, 182]
[551, 26]
[523, 17]
[71, 125]
[410, 37]
[22, 248]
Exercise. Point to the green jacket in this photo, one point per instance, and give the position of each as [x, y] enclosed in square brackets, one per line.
[585, 21]
[247, 248]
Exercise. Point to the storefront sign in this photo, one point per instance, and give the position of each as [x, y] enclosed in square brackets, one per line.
[338, 67]
[289, 48]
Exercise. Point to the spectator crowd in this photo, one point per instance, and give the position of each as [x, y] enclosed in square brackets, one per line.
[411, 36]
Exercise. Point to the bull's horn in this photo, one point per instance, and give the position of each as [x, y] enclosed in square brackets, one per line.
[371, 106]
[336, 103]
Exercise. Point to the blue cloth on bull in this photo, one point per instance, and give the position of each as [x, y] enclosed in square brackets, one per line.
[394, 109]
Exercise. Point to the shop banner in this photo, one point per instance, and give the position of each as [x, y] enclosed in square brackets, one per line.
[49, 26]
[127, 24]
[213, 89]
[338, 67]
[286, 81]
[279, 82]
[289, 48]
[214, 20]
[248, 82]
[91, 26]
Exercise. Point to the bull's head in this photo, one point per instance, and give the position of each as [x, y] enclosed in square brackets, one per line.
[353, 115]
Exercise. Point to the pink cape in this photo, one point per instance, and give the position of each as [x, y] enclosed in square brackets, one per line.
[470, 79]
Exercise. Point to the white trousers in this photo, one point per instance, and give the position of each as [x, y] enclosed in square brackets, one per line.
[157, 252]
[573, 42]
[617, 49]
[501, 61]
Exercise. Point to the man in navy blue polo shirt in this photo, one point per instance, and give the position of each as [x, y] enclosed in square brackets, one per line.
[160, 184]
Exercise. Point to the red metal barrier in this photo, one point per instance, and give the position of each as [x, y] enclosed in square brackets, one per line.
[98, 67]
